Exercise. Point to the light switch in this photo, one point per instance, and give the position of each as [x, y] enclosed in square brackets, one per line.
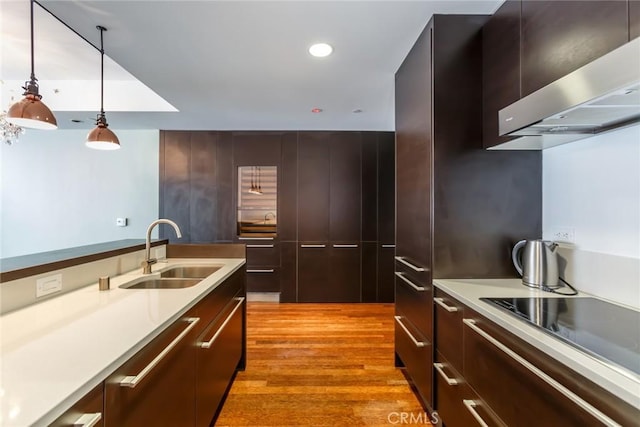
[121, 222]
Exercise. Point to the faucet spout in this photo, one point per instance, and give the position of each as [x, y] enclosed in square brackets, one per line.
[148, 261]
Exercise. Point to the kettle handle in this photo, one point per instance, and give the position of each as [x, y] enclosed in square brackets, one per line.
[516, 257]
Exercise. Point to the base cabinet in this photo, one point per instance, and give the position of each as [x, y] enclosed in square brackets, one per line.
[505, 381]
[181, 377]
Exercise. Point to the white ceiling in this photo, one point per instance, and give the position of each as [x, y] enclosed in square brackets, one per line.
[229, 64]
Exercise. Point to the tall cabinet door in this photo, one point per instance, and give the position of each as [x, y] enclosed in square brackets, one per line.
[414, 294]
[386, 216]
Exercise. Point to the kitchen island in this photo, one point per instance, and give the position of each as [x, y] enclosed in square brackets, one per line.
[54, 352]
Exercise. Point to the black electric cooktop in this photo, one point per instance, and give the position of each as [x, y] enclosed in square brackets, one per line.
[607, 331]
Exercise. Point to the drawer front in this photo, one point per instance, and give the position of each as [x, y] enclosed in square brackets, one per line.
[263, 279]
[155, 386]
[219, 351]
[451, 394]
[88, 411]
[415, 352]
[539, 398]
[263, 254]
[414, 300]
[211, 306]
[448, 324]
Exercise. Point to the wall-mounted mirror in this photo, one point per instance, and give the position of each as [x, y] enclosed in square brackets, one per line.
[257, 201]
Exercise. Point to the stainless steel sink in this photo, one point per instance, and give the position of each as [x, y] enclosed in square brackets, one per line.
[156, 283]
[191, 271]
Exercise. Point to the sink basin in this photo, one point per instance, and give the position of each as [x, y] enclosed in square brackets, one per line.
[162, 284]
[192, 271]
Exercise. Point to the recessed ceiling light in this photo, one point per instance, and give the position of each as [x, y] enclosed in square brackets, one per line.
[357, 110]
[320, 50]
[316, 110]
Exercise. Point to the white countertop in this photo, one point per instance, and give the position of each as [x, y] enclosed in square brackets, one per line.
[622, 383]
[53, 353]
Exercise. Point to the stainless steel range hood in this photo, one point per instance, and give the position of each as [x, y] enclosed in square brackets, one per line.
[600, 96]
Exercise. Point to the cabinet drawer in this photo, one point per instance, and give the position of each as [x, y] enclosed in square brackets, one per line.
[448, 324]
[415, 351]
[155, 386]
[263, 254]
[219, 351]
[263, 279]
[491, 358]
[451, 394]
[414, 301]
[211, 306]
[88, 411]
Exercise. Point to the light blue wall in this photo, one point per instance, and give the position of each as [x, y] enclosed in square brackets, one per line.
[57, 193]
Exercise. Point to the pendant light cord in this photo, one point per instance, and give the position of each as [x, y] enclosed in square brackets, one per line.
[102, 30]
[33, 74]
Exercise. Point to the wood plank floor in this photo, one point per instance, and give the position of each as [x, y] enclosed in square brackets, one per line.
[319, 365]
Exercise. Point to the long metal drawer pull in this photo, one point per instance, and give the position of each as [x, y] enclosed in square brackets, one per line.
[388, 246]
[270, 270]
[540, 374]
[413, 285]
[209, 343]
[450, 381]
[313, 246]
[345, 246]
[259, 246]
[133, 380]
[408, 264]
[415, 341]
[471, 406]
[255, 238]
[441, 303]
[88, 420]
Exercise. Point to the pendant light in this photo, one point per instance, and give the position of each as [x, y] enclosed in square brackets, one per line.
[102, 138]
[31, 112]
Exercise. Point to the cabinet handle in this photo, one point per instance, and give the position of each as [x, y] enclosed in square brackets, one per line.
[313, 246]
[259, 246]
[345, 246]
[471, 406]
[408, 264]
[450, 381]
[414, 286]
[415, 341]
[388, 246]
[209, 343]
[270, 270]
[441, 303]
[471, 323]
[255, 238]
[132, 381]
[88, 420]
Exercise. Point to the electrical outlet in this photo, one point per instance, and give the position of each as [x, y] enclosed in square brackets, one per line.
[48, 285]
[122, 222]
[563, 235]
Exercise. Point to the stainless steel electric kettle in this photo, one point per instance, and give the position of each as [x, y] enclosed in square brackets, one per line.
[537, 263]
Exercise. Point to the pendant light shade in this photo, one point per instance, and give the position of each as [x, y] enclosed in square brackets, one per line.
[31, 112]
[101, 137]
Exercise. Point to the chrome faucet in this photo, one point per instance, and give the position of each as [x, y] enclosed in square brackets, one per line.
[148, 261]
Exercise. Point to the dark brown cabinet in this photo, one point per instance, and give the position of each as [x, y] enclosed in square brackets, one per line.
[559, 37]
[473, 354]
[313, 186]
[313, 272]
[344, 187]
[86, 411]
[156, 386]
[181, 376]
[501, 67]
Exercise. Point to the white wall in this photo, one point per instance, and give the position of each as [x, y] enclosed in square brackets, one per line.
[593, 187]
[56, 193]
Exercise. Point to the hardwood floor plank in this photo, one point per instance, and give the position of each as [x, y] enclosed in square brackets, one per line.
[319, 365]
